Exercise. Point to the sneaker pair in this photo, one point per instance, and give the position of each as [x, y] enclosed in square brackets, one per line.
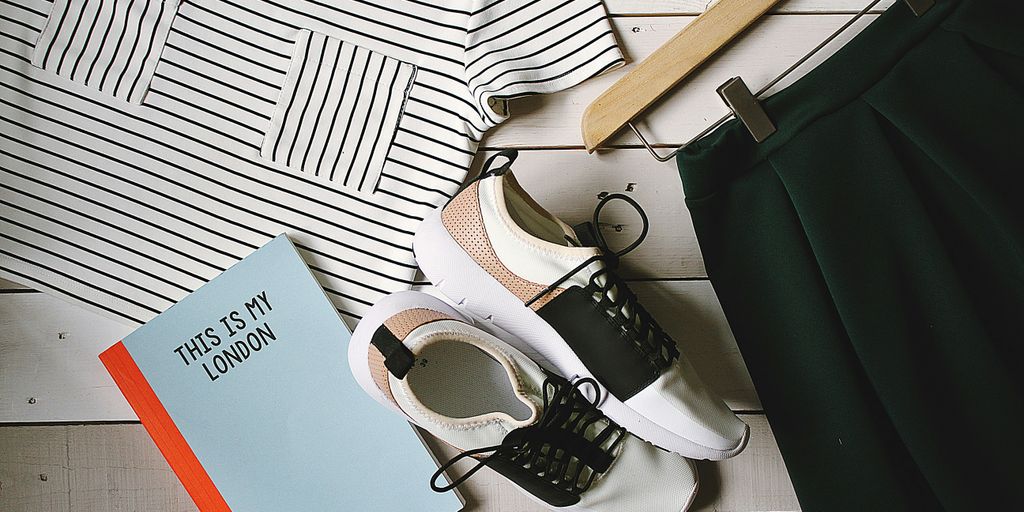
[569, 430]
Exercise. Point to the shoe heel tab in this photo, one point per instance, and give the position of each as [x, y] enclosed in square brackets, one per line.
[398, 359]
[489, 170]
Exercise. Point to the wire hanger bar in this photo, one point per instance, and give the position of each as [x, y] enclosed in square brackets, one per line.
[914, 5]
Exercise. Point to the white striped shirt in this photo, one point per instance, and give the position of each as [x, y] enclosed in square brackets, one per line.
[147, 145]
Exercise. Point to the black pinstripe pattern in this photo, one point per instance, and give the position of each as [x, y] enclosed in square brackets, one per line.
[147, 145]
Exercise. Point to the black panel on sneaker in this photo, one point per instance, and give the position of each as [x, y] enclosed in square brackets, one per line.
[605, 325]
[617, 362]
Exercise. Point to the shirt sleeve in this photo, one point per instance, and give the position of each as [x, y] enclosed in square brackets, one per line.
[516, 48]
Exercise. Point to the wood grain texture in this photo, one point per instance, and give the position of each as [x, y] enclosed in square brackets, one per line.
[649, 7]
[666, 66]
[49, 370]
[117, 467]
[46, 379]
[96, 468]
[86, 468]
[48, 366]
[6, 285]
[773, 44]
[33, 469]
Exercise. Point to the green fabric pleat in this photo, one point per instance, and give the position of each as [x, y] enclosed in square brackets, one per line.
[870, 259]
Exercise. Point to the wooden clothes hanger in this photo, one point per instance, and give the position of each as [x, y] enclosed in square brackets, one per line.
[677, 59]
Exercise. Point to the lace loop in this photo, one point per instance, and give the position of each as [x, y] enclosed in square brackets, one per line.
[555, 448]
[609, 257]
[451, 462]
[600, 234]
[488, 168]
[612, 295]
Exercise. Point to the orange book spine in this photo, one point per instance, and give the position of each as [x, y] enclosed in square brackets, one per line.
[161, 428]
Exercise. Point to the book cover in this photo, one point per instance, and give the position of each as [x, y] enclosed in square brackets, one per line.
[244, 386]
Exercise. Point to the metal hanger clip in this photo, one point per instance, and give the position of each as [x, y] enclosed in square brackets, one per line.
[746, 106]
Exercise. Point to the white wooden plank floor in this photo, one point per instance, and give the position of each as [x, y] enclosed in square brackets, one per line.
[69, 441]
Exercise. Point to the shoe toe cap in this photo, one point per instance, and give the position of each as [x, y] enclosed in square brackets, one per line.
[680, 403]
[644, 478]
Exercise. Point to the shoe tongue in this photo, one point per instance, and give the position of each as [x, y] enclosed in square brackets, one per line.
[586, 234]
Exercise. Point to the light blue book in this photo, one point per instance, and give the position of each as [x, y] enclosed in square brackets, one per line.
[245, 387]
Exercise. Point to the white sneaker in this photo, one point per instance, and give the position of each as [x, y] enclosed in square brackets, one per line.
[503, 258]
[414, 354]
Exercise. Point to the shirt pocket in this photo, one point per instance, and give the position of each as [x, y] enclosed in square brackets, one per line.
[109, 45]
[338, 111]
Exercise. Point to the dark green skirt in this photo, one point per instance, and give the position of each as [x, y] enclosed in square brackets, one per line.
[870, 259]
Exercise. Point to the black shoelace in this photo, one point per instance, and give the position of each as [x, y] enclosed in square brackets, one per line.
[489, 169]
[624, 310]
[556, 448]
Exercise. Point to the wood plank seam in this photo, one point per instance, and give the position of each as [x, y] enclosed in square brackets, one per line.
[111, 464]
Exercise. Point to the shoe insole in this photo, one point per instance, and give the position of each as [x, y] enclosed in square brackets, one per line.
[458, 380]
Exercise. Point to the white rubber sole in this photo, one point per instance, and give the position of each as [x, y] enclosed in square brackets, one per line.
[385, 308]
[455, 274]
